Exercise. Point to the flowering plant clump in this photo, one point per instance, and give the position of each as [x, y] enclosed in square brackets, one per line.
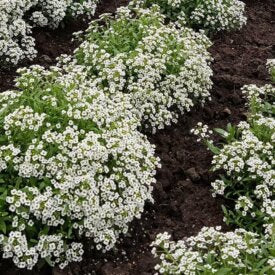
[52, 12]
[164, 69]
[214, 252]
[16, 42]
[72, 165]
[17, 17]
[248, 161]
[212, 15]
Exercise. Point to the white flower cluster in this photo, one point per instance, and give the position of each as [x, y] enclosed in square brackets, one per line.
[213, 252]
[270, 64]
[271, 68]
[164, 69]
[212, 15]
[52, 12]
[16, 42]
[52, 247]
[202, 131]
[17, 17]
[218, 187]
[73, 164]
[219, 15]
[257, 95]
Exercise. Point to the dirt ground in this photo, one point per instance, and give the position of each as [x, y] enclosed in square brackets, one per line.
[183, 203]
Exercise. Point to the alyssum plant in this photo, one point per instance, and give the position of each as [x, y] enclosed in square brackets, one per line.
[72, 165]
[214, 252]
[211, 15]
[16, 42]
[52, 12]
[18, 17]
[248, 161]
[164, 69]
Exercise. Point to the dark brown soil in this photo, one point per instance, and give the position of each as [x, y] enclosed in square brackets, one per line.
[183, 203]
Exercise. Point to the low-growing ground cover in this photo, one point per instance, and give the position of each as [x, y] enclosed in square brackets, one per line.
[18, 17]
[72, 165]
[214, 252]
[165, 69]
[210, 15]
[50, 43]
[246, 162]
[177, 185]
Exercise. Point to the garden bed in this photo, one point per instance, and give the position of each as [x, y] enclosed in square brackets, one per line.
[183, 203]
[183, 206]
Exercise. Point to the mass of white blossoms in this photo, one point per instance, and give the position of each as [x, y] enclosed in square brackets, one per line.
[52, 12]
[164, 69]
[212, 15]
[72, 165]
[18, 17]
[214, 252]
[16, 42]
[248, 162]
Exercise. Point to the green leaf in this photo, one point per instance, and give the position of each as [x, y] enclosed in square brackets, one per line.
[214, 149]
[4, 195]
[18, 182]
[3, 138]
[4, 214]
[260, 263]
[263, 271]
[222, 132]
[223, 271]
[70, 231]
[50, 263]
[3, 226]
[45, 230]
[33, 241]
[272, 252]
[42, 185]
